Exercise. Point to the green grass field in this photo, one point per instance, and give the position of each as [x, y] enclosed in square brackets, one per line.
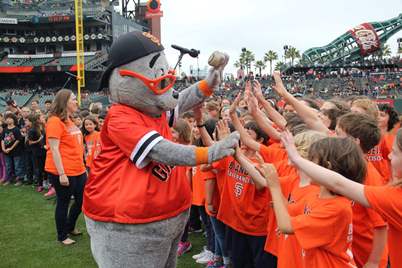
[28, 234]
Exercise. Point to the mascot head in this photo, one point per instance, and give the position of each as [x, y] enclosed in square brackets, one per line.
[138, 74]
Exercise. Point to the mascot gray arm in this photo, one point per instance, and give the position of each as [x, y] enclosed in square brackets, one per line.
[169, 153]
[197, 93]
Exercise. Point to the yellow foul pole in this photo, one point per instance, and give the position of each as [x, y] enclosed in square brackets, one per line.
[79, 33]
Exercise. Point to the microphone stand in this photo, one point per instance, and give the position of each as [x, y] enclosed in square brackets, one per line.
[179, 60]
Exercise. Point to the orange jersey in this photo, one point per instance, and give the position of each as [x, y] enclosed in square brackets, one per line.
[198, 183]
[93, 147]
[71, 146]
[126, 186]
[380, 161]
[387, 200]
[325, 232]
[365, 220]
[273, 153]
[243, 207]
[283, 168]
[271, 243]
[289, 249]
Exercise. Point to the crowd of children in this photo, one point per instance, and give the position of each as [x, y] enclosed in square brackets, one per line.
[23, 142]
[312, 184]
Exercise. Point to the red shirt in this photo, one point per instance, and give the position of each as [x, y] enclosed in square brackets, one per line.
[124, 185]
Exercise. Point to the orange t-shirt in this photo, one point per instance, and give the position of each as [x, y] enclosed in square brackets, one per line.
[387, 200]
[71, 146]
[379, 158]
[125, 185]
[365, 220]
[325, 232]
[289, 249]
[243, 207]
[271, 243]
[93, 147]
[198, 183]
[273, 153]
[283, 168]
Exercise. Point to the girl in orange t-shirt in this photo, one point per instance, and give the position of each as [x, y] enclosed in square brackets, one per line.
[324, 230]
[386, 200]
[92, 140]
[65, 163]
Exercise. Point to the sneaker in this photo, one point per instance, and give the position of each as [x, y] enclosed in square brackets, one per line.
[208, 256]
[192, 230]
[6, 183]
[184, 247]
[199, 255]
[18, 183]
[214, 264]
[50, 193]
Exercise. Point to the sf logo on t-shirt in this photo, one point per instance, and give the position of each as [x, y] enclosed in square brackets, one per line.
[162, 171]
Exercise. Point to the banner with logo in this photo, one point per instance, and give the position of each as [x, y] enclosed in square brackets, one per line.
[366, 37]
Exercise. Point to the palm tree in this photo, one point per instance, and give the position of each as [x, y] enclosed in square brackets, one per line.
[239, 64]
[279, 66]
[260, 65]
[247, 57]
[270, 56]
[383, 52]
[292, 54]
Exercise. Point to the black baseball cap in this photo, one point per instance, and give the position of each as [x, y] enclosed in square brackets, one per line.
[127, 48]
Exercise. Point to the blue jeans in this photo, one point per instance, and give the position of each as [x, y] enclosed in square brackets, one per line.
[220, 231]
[15, 167]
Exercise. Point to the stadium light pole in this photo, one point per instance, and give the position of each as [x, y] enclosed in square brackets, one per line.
[79, 33]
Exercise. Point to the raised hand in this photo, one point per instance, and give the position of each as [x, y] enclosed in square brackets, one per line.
[252, 104]
[288, 142]
[279, 87]
[215, 74]
[270, 174]
[235, 103]
[222, 129]
[257, 90]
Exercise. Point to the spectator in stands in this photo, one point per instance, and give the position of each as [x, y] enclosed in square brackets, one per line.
[48, 105]
[12, 146]
[12, 107]
[35, 105]
[65, 163]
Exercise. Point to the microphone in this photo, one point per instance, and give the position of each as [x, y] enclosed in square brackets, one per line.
[192, 52]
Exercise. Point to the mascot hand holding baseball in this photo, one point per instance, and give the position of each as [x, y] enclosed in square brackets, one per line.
[137, 198]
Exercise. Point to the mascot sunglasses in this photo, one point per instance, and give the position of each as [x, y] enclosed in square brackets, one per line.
[158, 86]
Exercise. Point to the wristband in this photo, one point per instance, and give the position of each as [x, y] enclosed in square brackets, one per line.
[201, 155]
[205, 89]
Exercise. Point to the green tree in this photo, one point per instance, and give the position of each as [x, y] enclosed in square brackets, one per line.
[260, 65]
[292, 54]
[270, 56]
[247, 57]
[383, 52]
[279, 66]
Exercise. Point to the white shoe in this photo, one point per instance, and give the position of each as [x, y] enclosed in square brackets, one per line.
[201, 254]
[208, 256]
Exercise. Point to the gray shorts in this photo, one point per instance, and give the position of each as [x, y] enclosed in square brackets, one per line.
[151, 245]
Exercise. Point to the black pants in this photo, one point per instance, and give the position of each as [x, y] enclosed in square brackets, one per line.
[248, 251]
[195, 222]
[65, 224]
[39, 159]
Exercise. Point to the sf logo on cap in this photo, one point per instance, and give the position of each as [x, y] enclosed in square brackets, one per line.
[152, 38]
